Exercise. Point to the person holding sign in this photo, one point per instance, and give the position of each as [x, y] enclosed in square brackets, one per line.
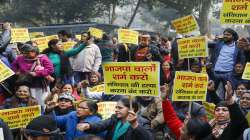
[229, 121]
[22, 98]
[225, 55]
[60, 59]
[90, 88]
[145, 51]
[121, 126]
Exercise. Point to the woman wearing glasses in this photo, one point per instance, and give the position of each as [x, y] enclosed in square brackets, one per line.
[85, 112]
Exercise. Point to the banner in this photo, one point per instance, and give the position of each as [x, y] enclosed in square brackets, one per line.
[189, 86]
[209, 107]
[185, 25]
[5, 71]
[96, 89]
[132, 78]
[42, 43]
[192, 47]
[19, 35]
[128, 36]
[50, 37]
[36, 34]
[106, 109]
[98, 33]
[246, 73]
[20, 117]
[68, 45]
[235, 12]
[78, 37]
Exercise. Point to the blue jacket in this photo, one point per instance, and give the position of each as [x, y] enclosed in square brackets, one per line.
[70, 121]
[239, 56]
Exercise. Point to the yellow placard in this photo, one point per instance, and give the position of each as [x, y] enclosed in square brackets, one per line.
[209, 107]
[50, 37]
[106, 109]
[235, 12]
[98, 33]
[5, 72]
[189, 86]
[132, 78]
[192, 47]
[96, 89]
[78, 37]
[68, 45]
[20, 117]
[185, 24]
[19, 35]
[42, 43]
[248, 118]
[128, 36]
[36, 34]
[246, 73]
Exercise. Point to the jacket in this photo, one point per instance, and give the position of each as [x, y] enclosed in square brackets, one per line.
[89, 59]
[5, 38]
[70, 121]
[156, 56]
[7, 134]
[14, 102]
[238, 57]
[171, 119]
[236, 126]
[154, 113]
[56, 59]
[22, 65]
[138, 133]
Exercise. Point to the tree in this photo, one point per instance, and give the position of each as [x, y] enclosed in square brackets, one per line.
[35, 12]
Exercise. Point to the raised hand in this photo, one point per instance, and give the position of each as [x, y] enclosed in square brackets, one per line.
[229, 93]
[211, 85]
[132, 119]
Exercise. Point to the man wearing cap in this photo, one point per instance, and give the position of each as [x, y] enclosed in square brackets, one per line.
[225, 55]
[145, 51]
[42, 128]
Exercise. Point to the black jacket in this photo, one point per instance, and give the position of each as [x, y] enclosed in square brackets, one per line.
[138, 133]
[236, 126]
[6, 131]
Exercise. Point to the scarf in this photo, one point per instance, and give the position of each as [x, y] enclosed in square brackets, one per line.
[120, 129]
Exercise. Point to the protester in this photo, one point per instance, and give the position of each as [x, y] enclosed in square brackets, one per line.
[145, 51]
[86, 112]
[22, 98]
[93, 80]
[225, 127]
[64, 105]
[60, 59]
[151, 116]
[42, 128]
[89, 59]
[122, 125]
[36, 69]
[245, 102]
[225, 55]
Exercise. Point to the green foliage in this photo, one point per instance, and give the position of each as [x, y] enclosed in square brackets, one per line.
[41, 12]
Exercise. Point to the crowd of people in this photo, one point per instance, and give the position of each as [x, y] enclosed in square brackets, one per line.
[56, 78]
